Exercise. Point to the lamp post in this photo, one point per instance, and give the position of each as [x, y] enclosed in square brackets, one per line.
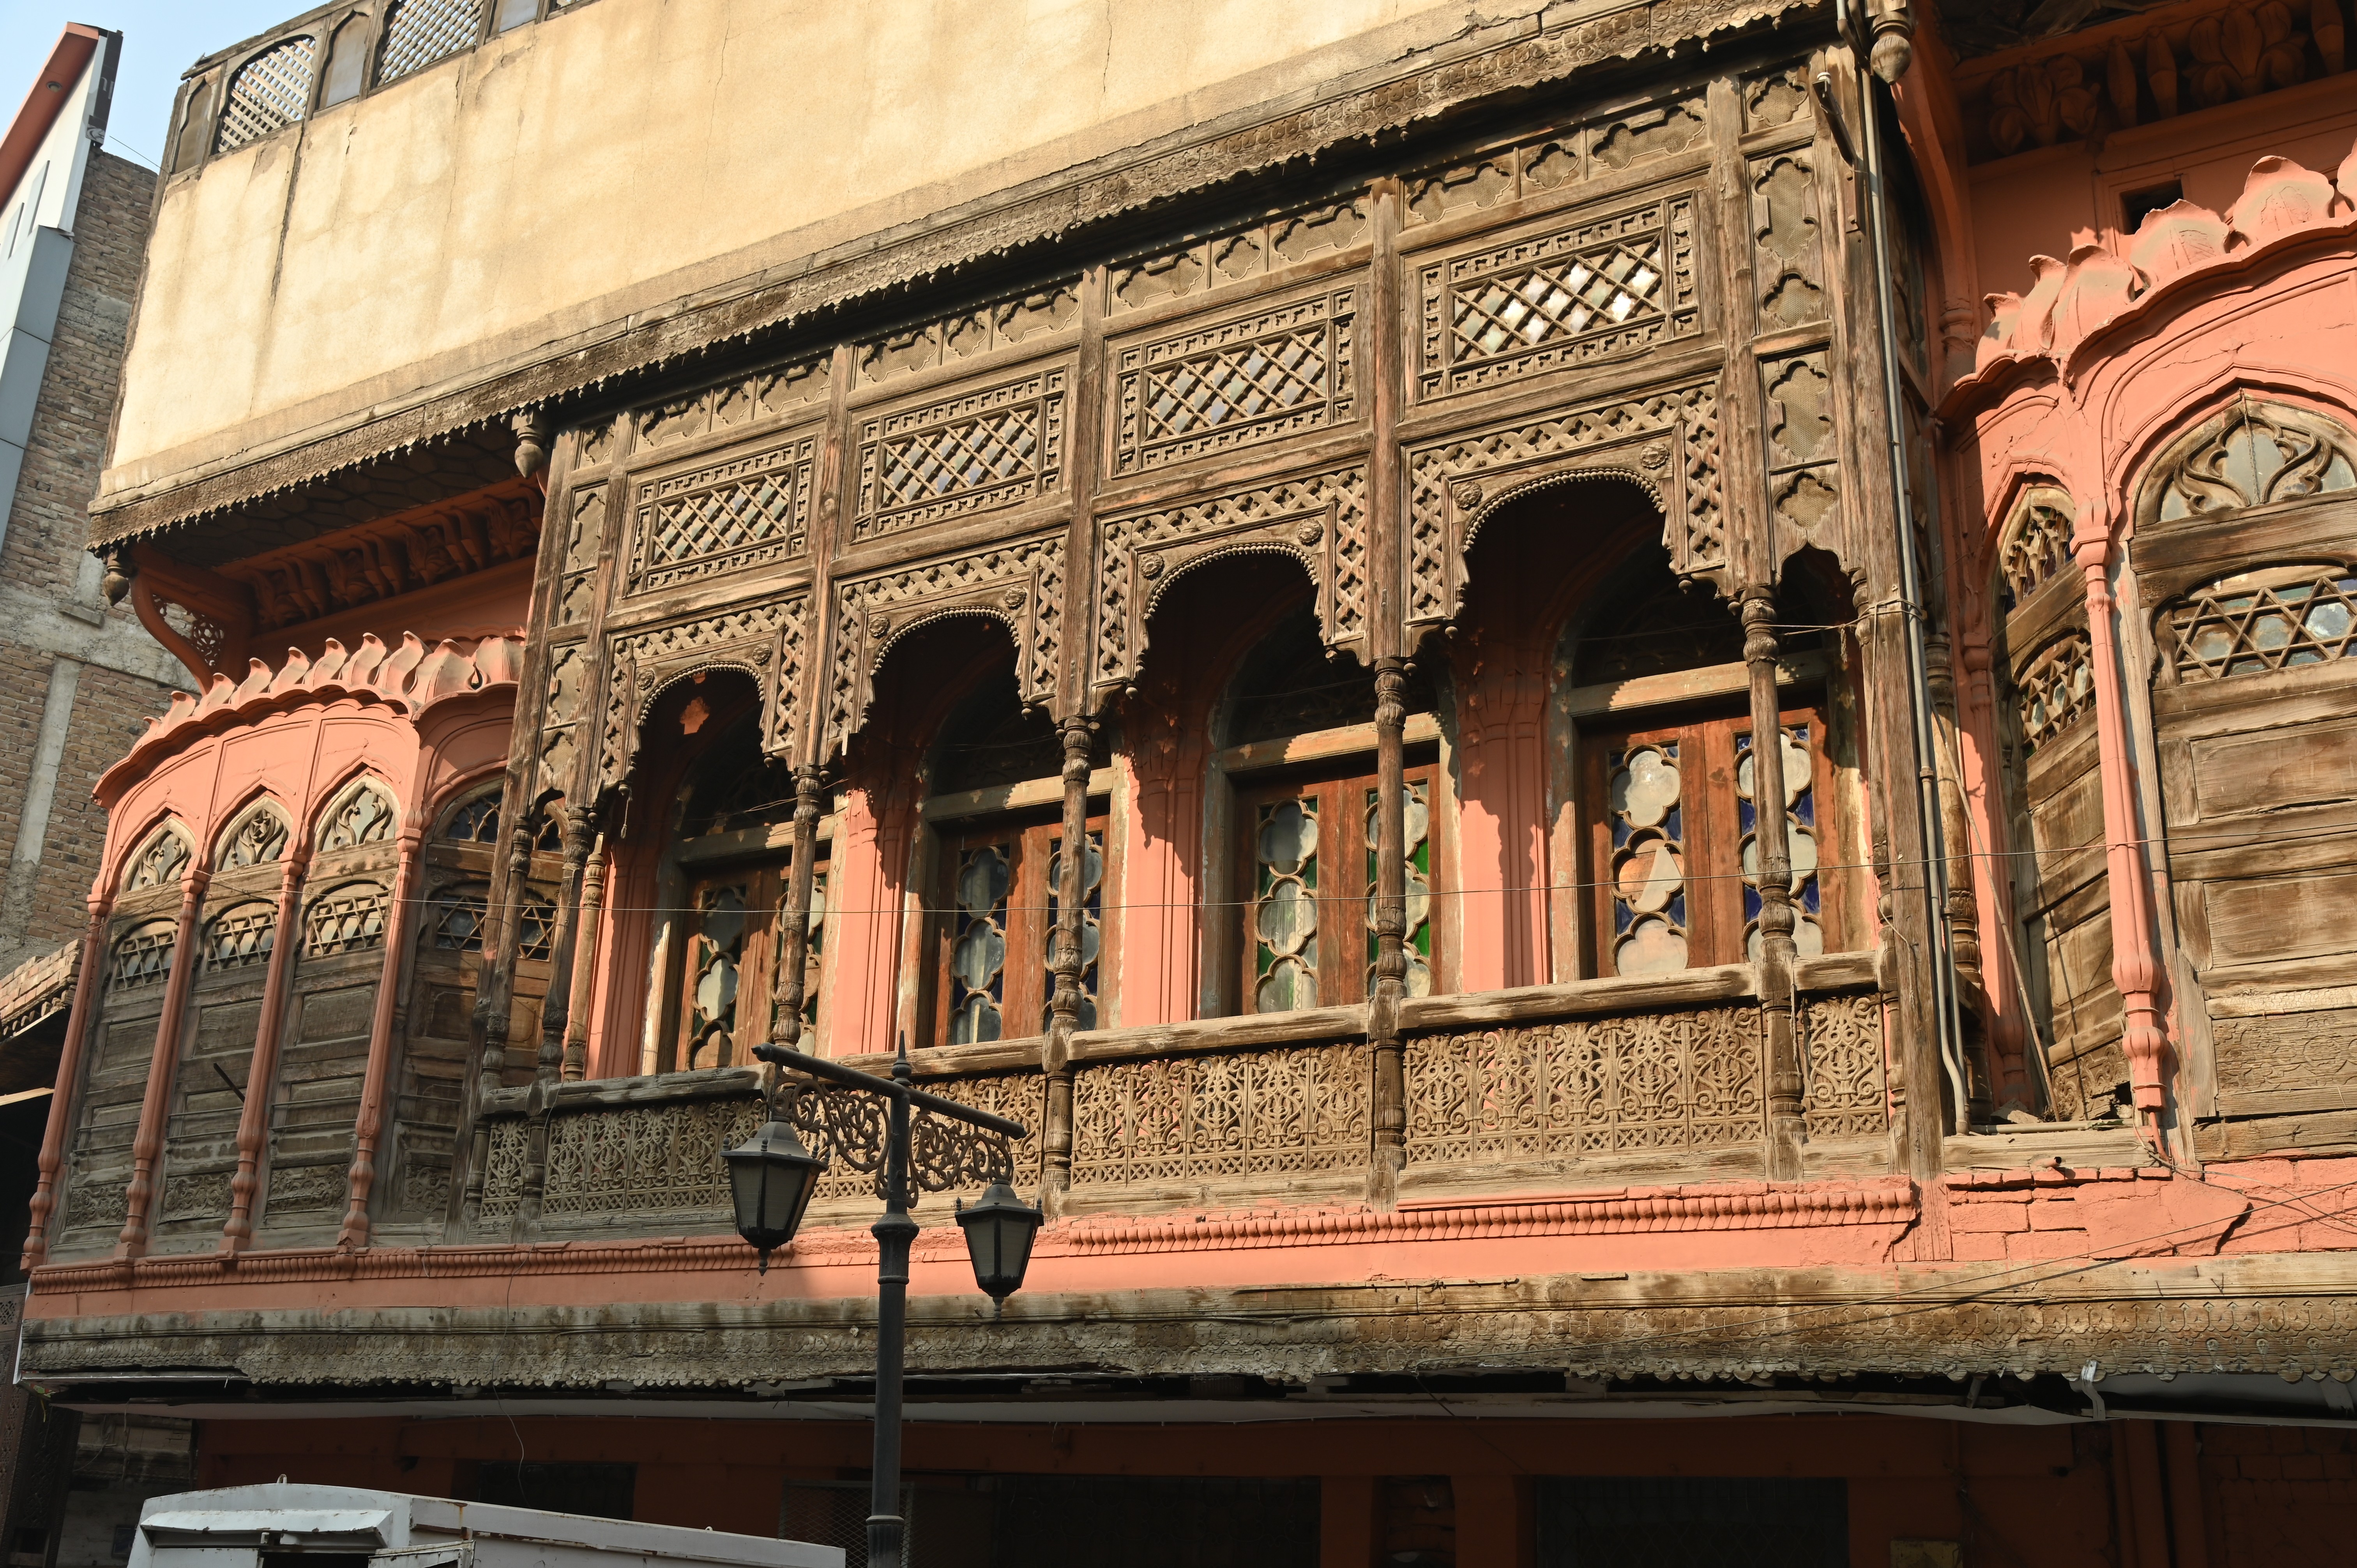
[772, 1175]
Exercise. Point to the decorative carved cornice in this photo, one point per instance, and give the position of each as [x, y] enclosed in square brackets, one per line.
[399, 554]
[410, 678]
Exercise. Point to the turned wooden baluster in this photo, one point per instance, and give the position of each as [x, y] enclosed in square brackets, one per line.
[1390, 1118]
[1065, 961]
[580, 831]
[384, 1034]
[584, 968]
[82, 1021]
[1770, 837]
[148, 1147]
[262, 1068]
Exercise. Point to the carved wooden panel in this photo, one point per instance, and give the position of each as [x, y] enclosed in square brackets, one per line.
[2312, 1054]
[732, 515]
[1319, 519]
[1539, 164]
[969, 452]
[1787, 257]
[769, 394]
[398, 554]
[1842, 1065]
[2275, 770]
[208, 1101]
[585, 535]
[1775, 100]
[1668, 1082]
[617, 1159]
[1666, 442]
[567, 681]
[2055, 689]
[1019, 584]
[1551, 296]
[767, 641]
[1275, 371]
[1237, 254]
[1804, 459]
[1229, 1114]
[1003, 325]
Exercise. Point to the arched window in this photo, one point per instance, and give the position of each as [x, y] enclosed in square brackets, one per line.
[364, 814]
[270, 92]
[240, 937]
[258, 837]
[346, 920]
[1301, 754]
[2254, 454]
[418, 33]
[159, 862]
[2274, 617]
[143, 955]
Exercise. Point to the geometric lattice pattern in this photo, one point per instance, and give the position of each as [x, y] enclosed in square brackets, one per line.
[1604, 288]
[1237, 384]
[724, 519]
[2056, 688]
[269, 94]
[2038, 547]
[1234, 1113]
[972, 456]
[2254, 622]
[644, 1157]
[419, 32]
[348, 919]
[144, 956]
[1664, 1082]
[241, 937]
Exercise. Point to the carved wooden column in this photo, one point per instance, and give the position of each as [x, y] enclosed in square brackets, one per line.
[1391, 923]
[163, 1067]
[79, 1024]
[495, 994]
[1963, 904]
[1064, 1003]
[580, 831]
[262, 1068]
[793, 942]
[1771, 839]
[584, 968]
[2136, 970]
[384, 1034]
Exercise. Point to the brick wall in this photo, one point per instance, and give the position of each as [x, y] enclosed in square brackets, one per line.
[43, 557]
[2280, 1496]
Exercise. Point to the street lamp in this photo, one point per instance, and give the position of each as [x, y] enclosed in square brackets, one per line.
[772, 1178]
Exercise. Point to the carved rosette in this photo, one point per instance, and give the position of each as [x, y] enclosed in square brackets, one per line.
[1019, 584]
[1320, 519]
[767, 641]
[1666, 443]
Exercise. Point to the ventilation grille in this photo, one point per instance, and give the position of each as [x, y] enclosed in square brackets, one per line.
[419, 32]
[268, 95]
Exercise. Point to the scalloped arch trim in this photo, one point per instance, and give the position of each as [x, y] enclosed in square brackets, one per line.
[2097, 288]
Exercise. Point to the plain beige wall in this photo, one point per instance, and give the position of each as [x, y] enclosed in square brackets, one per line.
[560, 178]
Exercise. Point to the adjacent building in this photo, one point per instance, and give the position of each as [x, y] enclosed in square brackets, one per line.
[1660, 877]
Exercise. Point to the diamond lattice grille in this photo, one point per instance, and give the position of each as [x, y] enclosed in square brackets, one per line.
[965, 457]
[419, 32]
[723, 519]
[1555, 300]
[1249, 382]
[2248, 630]
[268, 95]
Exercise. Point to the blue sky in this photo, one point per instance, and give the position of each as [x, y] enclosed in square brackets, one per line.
[161, 39]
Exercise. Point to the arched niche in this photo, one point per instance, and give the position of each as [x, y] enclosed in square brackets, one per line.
[161, 860]
[256, 836]
[2254, 454]
[361, 813]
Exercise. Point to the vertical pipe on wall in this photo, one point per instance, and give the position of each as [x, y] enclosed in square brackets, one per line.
[163, 1067]
[1773, 844]
[262, 1066]
[81, 1023]
[384, 1026]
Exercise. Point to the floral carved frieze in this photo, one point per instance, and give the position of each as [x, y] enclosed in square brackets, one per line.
[1665, 442]
[1319, 518]
[765, 641]
[1019, 584]
[972, 452]
[765, 394]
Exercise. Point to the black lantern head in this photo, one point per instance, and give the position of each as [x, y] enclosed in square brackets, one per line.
[999, 1227]
[772, 1178]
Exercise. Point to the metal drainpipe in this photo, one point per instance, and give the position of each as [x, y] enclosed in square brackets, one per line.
[1945, 989]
